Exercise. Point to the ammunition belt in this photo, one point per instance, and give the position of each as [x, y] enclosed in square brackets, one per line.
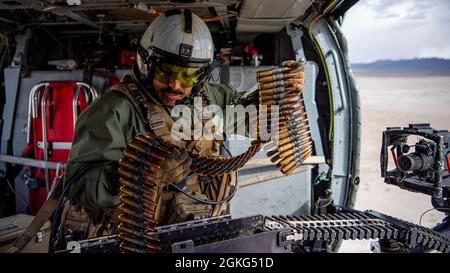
[139, 195]
[299, 230]
[140, 192]
[219, 165]
[358, 226]
[283, 86]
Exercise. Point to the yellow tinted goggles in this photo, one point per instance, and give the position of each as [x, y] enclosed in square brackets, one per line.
[187, 76]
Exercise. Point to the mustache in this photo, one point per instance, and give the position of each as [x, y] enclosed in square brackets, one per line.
[171, 90]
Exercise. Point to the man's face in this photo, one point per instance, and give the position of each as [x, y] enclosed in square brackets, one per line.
[170, 92]
[173, 83]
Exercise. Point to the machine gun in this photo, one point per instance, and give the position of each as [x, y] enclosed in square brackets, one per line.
[278, 234]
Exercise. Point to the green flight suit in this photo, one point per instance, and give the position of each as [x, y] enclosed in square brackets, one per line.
[101, 134]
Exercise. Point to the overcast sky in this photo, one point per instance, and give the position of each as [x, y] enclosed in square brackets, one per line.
[398, 29]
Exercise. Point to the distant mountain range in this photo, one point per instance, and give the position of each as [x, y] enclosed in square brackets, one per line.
[426, 67]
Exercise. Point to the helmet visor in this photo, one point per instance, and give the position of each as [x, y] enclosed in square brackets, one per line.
[187, 76]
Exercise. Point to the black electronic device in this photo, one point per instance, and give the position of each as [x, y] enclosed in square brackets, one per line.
[421, 156]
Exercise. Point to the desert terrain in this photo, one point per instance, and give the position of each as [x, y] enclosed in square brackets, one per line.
[389, 101]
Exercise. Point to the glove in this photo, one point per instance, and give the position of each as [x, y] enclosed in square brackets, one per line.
[174, 168]
[296, 73]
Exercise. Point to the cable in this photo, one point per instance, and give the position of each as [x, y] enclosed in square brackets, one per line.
[316, 180]
[204, 201]
[58, 213]
[5, 40]
[327, 75]
[323, 206]
[423, 214]
[15, 193]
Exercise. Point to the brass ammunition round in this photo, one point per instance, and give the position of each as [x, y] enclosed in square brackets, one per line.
[284, 107]
[129, 165]
[280, 76]
[293, 117]
[141, 205]
[285, 147]
[125, 237]
[286, 129]
[144, 192]
[137, 220]
[131, 231]
[127, 220]
[167, 144]
[287, 138]
[286, 101]
[150, 216]
[286, 153]
[288, 166]
[300, 142]
[153, 248]
[125, 247]
[278, 83]
[151, 198]
[286, 161]
[291, 166]
[129, 211]
[150, 203]
[149, 183]
[284, 141]
[128, 174]
[268, 72]
[153, 143]
[296, 122]
[127, 191]
[150, 192]
[296, 90]
[139, 158]
[271, 85]
[278, 97]
[132, 185]
[271, 92]
[130, 202]
[271, 153]
[147, 173]
[296, 158]
[283, 135]
[291, 128]
[275, 158]
[292, 131]
[141, 147]
[131, 155]
[288, 172]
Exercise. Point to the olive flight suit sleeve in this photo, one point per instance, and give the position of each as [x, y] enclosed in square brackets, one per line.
[225, 95]
[101, 135]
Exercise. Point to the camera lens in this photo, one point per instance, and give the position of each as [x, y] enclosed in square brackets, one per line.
[414, 162]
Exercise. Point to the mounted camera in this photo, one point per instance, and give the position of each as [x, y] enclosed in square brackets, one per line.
[421, 156]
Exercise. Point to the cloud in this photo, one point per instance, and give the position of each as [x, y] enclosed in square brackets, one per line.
[398, 29]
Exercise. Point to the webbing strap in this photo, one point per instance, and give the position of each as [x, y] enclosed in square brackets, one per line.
[42, 216]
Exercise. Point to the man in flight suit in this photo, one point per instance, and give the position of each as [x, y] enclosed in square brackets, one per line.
[174, 64]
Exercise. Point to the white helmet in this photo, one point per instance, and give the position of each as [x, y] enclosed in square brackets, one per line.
[178, 37]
